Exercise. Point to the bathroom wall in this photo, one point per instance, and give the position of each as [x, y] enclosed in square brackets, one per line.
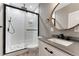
[45, 11]
[1, 29]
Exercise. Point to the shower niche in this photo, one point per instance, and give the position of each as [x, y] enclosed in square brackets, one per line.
[21, 29]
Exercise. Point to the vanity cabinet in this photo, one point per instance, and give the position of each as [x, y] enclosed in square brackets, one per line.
[48, 50]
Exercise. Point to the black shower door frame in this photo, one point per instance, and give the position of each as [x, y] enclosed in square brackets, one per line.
[4, 25]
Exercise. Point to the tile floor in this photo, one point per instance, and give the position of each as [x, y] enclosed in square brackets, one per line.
[25, 52]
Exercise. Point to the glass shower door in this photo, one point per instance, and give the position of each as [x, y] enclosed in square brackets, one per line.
[31, 30]
[14, 29]
[21, 29]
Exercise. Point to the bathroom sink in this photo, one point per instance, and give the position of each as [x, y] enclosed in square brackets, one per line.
[60, 41]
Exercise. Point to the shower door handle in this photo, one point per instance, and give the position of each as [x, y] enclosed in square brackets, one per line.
[31, 29]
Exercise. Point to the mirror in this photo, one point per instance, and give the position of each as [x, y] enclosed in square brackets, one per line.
[67, 16]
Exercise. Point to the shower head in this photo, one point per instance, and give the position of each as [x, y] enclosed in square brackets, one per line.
[23, 7]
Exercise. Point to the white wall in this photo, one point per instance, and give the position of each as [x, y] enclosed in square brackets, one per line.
[45, 11]
[1, 29]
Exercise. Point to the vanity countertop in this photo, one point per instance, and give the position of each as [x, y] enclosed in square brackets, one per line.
[72, 49]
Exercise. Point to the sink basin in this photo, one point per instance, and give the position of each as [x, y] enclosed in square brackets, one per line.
[60, 41]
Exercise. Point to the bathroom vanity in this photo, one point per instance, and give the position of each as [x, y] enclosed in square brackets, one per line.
[50, 48]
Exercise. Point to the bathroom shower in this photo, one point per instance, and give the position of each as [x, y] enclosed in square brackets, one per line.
[22, 28]
[11, 29]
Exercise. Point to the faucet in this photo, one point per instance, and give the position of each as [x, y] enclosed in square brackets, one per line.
[61, 36]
